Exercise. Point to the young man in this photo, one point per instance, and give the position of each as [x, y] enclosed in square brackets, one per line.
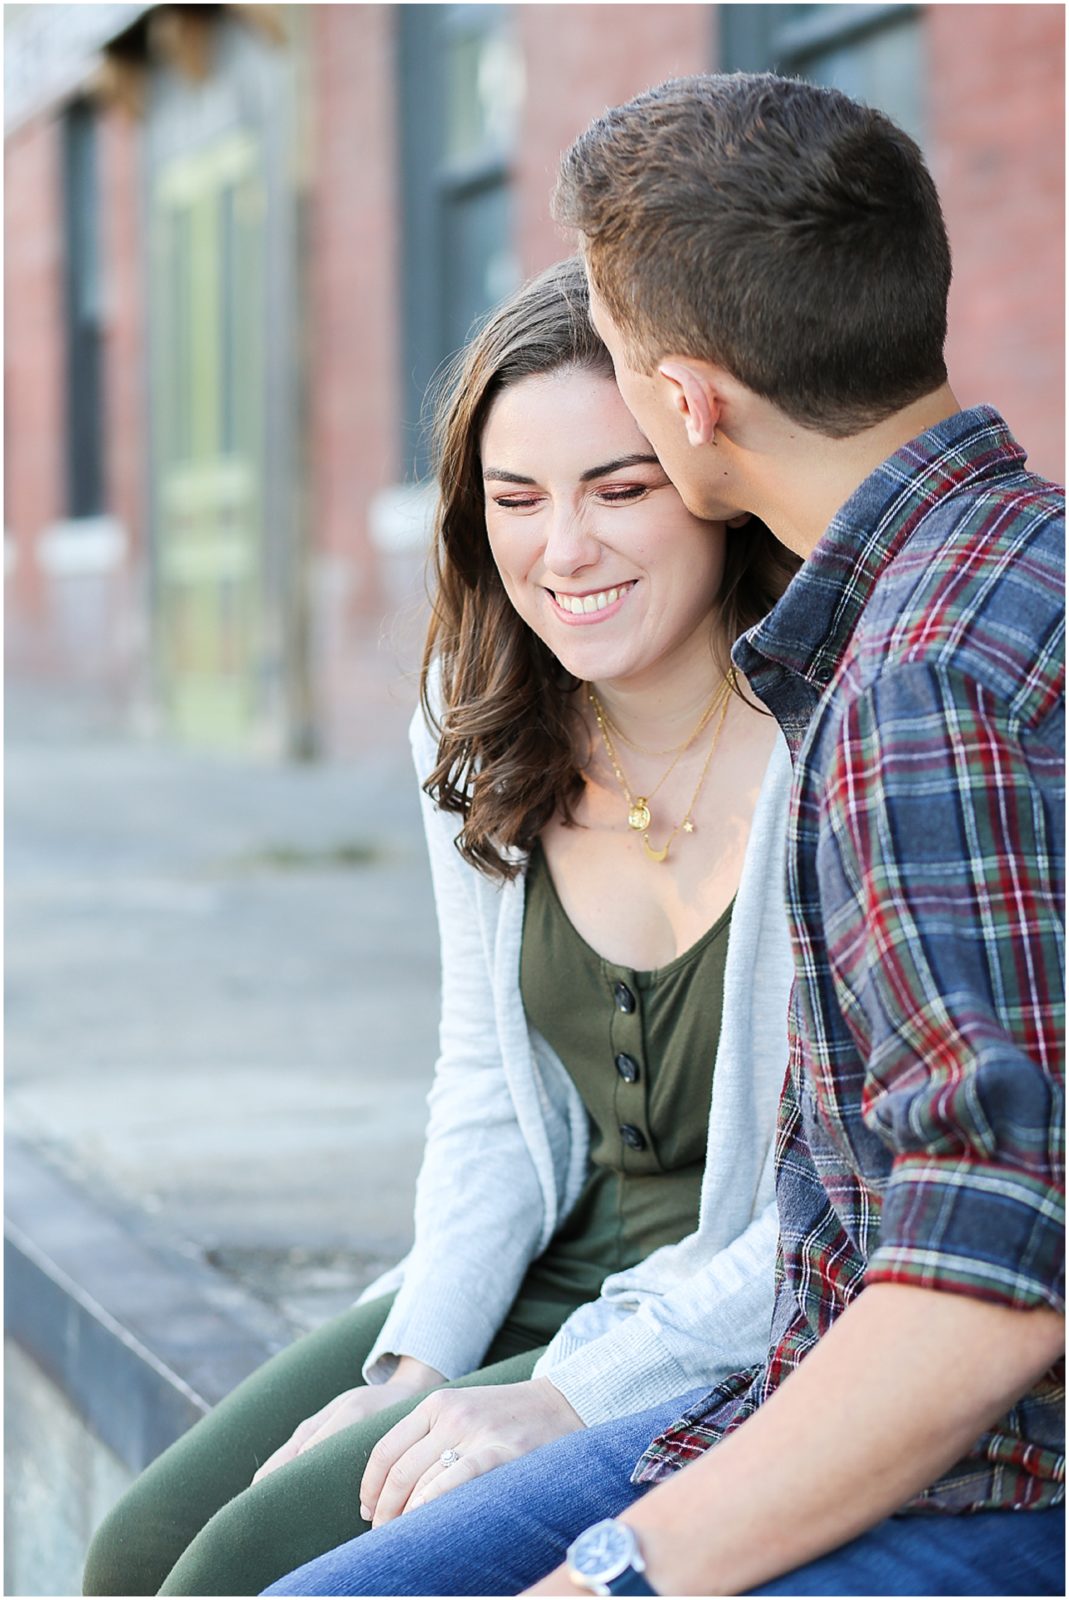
[769, 269]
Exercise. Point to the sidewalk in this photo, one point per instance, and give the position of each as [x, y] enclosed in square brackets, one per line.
[222, 984]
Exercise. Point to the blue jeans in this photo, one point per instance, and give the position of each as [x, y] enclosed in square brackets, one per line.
[502, 1532]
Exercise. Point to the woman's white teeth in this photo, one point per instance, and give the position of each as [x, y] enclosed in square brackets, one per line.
[581, 605]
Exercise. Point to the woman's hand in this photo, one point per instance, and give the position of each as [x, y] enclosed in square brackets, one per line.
[409, 1378]
[485, 1426]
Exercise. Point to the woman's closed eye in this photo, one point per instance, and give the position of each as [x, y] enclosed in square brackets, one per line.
[617, 494]
[516, 502]
[610, 494]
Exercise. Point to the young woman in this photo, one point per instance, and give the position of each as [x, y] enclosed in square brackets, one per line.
[605, 811]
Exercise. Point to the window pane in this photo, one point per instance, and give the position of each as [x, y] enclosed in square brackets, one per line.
[873, 52]
[882, 69]
[84, 385]
[478, 265]
[179, 334]
[461, 91]
[228, 315]
[484, 90]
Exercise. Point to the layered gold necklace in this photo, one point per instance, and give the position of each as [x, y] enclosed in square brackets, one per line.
[639, 816]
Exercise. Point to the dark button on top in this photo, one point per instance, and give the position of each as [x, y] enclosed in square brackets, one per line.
[625, 1000]
[627, 1067]
[632, 1137]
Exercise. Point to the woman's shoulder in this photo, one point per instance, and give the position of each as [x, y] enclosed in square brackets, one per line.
[423, 735]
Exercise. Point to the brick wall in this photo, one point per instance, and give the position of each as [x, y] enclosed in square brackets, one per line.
[996, 115]
[354, 342]
[581, 59]
[85, 627]
[996, 120]
[995, 80]
[33, 377]
[353, 275]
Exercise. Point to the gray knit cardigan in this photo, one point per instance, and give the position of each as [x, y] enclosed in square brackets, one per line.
[506, 1153]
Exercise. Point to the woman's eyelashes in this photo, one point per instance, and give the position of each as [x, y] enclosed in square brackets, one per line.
[610, 495]
[614, 496]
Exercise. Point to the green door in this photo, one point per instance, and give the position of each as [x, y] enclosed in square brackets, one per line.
[207, 402]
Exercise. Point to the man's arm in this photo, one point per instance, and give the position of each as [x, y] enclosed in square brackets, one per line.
[892, 1396]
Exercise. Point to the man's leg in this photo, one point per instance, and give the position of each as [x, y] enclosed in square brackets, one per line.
[990, 1553]
[501, 1532]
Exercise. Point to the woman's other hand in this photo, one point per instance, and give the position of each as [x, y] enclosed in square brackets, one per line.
[410, 1377]
[485, 1427]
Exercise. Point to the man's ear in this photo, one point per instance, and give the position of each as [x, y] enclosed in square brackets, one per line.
[694, 395]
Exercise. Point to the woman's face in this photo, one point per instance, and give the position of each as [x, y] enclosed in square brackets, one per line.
[594, 546]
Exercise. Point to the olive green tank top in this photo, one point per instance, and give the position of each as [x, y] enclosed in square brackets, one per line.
[640, 1048]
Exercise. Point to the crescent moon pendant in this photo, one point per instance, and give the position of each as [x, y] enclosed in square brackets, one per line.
[654, 855]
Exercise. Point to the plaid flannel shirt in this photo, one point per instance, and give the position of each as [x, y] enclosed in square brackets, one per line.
[916, 666]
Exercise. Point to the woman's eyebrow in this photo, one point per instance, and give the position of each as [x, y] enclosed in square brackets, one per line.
[618, 465]
[500, 475]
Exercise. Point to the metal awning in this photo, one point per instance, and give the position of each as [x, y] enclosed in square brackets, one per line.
[51, 51]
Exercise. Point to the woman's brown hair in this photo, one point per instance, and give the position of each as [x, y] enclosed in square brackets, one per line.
[499, 700]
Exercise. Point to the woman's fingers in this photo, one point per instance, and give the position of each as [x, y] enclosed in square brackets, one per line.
[440, 1480]
[352, 1406]
[401, 1437]
[273, 1461]
[484, 1425]
[327, 1420]
[417, 1463]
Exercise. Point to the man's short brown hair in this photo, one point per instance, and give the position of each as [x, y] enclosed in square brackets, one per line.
[780, 230]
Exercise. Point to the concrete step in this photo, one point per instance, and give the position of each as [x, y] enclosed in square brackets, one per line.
[115, 1344]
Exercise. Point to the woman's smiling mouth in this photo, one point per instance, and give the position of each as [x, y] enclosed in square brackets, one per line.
[593, 606]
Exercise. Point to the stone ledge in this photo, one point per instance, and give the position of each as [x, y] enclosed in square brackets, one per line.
[141, 1340]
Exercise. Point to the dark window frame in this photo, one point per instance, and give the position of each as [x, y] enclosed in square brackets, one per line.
[83, 312]
[430, 189]
[792, 39]
[780, 38]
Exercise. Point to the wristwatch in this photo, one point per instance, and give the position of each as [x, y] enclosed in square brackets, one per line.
[606, 1559]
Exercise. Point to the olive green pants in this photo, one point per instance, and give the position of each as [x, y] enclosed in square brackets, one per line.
[194, 1523]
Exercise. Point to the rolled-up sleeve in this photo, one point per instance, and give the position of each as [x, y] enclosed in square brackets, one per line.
[941, 861]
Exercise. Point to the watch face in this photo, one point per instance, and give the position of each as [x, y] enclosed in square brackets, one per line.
[602, 1552]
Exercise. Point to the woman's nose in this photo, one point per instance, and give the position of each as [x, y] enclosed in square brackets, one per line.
[570, 542]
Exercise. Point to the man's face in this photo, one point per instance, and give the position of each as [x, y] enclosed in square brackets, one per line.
[651, 400]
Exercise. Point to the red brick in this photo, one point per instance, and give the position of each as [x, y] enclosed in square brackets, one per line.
[33, 372]
[580, 59]
[996, 120]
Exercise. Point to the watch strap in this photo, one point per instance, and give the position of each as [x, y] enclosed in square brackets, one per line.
[631, 1582]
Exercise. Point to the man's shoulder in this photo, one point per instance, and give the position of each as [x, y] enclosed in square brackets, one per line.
[1006, 505]
[977, 589]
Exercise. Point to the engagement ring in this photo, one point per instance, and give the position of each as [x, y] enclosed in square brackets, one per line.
[449, 1458]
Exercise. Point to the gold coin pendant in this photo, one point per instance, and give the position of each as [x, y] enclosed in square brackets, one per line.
[639, 816]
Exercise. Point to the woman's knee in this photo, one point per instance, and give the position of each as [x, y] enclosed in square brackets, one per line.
[225, 1557]
[132, 1550]
[107, 1559]
[290, 1517]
